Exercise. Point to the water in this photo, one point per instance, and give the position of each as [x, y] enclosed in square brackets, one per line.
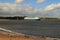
[35, 28]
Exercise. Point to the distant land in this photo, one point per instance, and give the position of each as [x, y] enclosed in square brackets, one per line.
[22, 18]
[13, 18]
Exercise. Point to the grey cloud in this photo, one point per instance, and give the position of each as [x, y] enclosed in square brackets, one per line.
[29, 10]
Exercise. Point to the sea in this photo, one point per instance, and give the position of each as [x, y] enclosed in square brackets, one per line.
[33, 27]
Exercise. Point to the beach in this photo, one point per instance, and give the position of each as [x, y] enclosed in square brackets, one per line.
[7, 37]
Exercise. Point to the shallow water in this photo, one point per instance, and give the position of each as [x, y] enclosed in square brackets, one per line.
[33, 27]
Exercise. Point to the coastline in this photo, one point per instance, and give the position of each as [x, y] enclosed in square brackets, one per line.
[10, 35]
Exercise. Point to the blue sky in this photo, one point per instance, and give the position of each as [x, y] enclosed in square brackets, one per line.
[33, 2]
[42, 7]
[5, 1]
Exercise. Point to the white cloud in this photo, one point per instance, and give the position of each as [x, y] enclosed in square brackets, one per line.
[19, 1]
[13, 8]
[52, 6]
[40, 1]
[29, 10]
[51, 11]
[7, 6]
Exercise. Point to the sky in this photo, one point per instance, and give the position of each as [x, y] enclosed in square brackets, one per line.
[34, 8]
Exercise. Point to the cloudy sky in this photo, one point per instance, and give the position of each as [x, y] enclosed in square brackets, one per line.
[40, 8]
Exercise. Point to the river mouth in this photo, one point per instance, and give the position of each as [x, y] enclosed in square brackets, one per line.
[33, 27]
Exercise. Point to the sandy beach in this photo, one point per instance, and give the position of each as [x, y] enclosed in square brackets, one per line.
[7, 37]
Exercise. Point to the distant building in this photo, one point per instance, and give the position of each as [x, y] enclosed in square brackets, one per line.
[32, 18]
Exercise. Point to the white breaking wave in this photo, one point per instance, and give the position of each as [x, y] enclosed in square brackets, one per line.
[5, 31]
[12, 33]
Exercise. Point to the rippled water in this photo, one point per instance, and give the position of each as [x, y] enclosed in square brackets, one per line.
[35, 28]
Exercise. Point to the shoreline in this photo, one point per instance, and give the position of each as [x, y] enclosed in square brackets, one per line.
[14, 35]
[8, 37]
[18, 37]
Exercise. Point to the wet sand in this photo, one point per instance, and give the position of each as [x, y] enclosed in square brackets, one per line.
[8, 37]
